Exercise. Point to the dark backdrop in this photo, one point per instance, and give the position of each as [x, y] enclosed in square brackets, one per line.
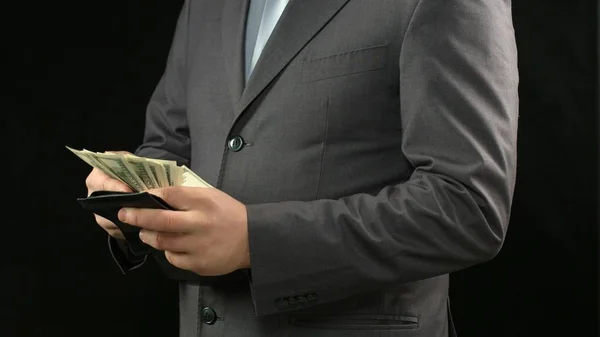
[80, 74]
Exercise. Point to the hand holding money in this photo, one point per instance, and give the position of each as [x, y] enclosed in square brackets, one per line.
[208, 234]
[100, 181]
[121, 171]
[139, 173]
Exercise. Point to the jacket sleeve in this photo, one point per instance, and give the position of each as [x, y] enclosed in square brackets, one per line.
[166, 133]
[459, 107]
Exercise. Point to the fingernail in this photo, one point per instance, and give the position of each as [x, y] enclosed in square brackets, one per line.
[142, 235]
[122, 215]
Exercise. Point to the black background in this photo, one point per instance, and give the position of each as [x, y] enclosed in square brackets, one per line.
[80, 74]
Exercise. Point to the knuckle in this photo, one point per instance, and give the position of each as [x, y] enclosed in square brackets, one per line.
[88, 182]
[159, 241]
[132, 217]
[174, 259]
[92, 180]
[110, 184]
[169, 222]
[171, 194]
[208, 220]
[166, 193]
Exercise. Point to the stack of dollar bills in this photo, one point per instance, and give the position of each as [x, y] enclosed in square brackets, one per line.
[141, 173]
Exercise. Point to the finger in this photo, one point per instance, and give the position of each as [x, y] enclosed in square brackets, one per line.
[181, 261]
[109, 227]
[94, 180]
[116, 233]
[111, 184]
[105, 223]
[98, 180]
[173, 242]
[158, 220]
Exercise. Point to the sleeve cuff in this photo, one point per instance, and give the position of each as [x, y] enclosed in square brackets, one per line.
[273, 292]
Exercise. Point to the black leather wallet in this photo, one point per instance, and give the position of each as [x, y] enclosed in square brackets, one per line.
[108, 203]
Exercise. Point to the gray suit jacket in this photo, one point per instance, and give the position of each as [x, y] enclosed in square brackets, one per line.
[374, 146]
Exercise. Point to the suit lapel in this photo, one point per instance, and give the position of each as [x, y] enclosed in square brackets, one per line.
[299, 23]
[235, 13]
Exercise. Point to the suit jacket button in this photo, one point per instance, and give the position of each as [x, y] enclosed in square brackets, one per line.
[236, 143]
[282, 304]
[209, 316]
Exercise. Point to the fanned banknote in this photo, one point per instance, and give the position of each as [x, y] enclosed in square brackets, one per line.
[141, 173]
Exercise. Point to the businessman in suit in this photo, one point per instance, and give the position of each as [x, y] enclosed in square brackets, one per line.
[361, 151]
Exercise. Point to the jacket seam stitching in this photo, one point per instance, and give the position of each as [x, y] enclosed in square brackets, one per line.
[323, 150]
[409, 26]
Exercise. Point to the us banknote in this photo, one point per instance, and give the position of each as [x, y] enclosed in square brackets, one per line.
[140, 173]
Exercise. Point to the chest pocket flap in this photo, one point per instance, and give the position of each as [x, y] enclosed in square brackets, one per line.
[344, 64]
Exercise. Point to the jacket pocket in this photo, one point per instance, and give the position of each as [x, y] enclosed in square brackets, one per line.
[348, 63]
[355, 322]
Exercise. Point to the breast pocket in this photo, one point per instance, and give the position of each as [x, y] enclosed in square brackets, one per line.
[344, 64]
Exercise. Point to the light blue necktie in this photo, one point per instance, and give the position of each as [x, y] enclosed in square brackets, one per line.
[262, 18]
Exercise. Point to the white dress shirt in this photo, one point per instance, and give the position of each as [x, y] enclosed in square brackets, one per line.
[262, 18]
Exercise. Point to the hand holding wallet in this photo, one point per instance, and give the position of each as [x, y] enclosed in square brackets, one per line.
[141, 174]
[107, 205]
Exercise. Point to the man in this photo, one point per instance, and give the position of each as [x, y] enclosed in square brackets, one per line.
[361, 151]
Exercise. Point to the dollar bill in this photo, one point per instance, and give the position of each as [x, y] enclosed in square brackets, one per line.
[169, 169]
[159, 173]
[94, 163]
[140, 167]
[121, 168]
[107, 169]
[191, 179]
[83, 156]
[177, 171]
[141, 173]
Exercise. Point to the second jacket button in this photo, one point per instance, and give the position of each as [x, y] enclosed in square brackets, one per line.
[209, 316]
[235, 143]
